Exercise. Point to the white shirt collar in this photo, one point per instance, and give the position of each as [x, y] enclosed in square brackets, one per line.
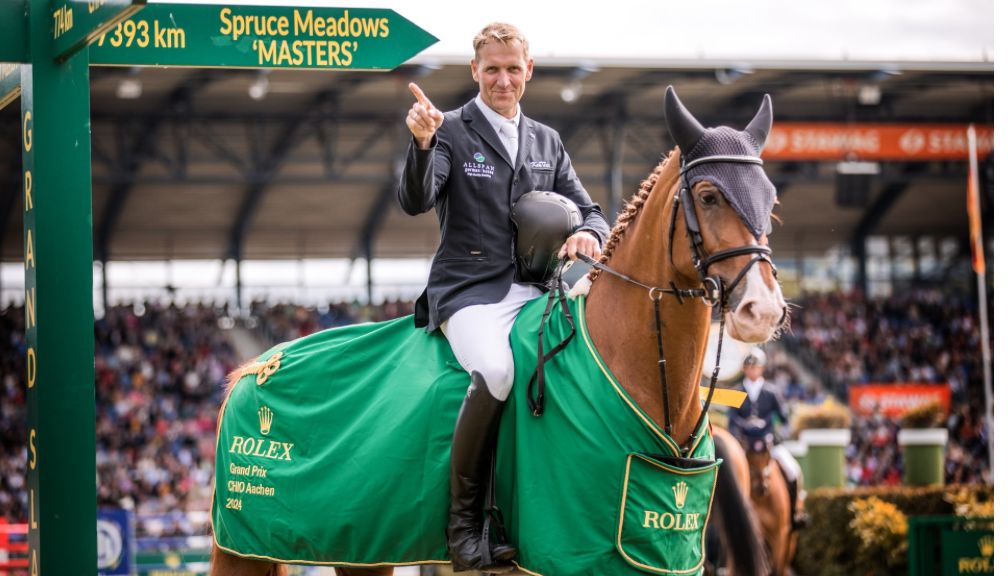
[753, 388]
[494, 118]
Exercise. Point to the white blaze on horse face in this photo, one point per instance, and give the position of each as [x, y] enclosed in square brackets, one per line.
[759, 311]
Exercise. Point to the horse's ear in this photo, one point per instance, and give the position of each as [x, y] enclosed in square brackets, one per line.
[683, 127]
[759, 127]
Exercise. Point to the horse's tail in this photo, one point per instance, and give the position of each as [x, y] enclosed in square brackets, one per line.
[740, 532]
[222, 563]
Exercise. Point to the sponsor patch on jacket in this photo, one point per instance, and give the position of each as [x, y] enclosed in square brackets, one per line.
[478, 169]
[540, 165]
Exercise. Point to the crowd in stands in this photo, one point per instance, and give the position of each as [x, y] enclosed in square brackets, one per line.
[915, 336]
[159, 373]
[282, 322]
[159, 379]
[13, 416]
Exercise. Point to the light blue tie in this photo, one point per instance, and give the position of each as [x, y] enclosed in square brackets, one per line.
[509, 136]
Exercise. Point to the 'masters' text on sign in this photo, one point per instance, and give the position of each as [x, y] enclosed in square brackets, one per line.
[261, 37]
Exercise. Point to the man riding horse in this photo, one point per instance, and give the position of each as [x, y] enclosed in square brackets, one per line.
[755, 423]
[473, 164]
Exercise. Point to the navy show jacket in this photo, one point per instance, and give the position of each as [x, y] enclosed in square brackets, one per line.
[468, 177]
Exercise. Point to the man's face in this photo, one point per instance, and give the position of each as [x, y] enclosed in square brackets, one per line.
[753, 371]
[501, 71]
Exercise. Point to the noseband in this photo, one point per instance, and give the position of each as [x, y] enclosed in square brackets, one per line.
[711, 291]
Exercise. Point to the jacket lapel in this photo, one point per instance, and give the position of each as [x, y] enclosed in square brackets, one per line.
[472, 115]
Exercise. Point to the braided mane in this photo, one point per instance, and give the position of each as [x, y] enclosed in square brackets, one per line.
[630, 212]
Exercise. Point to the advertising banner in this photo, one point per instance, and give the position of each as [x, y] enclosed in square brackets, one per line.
[895, 399]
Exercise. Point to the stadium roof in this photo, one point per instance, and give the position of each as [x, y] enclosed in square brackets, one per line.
[195, 168]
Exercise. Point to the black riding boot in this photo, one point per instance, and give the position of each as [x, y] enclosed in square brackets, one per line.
[472, 447]
[799, 520]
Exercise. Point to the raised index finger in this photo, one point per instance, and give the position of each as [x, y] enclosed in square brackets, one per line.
[419, 95]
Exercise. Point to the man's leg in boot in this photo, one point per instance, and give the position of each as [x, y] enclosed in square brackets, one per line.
[799, 518]
[472, 446]
[792, 474]
[480, 339]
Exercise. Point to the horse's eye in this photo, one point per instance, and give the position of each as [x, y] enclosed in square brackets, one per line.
[708, 198]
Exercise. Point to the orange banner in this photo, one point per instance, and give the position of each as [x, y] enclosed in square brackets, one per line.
[895, 399]
[973, 210]
[904, 142]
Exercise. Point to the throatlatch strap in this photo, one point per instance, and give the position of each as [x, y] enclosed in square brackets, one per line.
[536, 389]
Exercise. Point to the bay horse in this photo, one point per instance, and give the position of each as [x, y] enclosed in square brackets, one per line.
[770, 498]
[735, 536]
[678, 248]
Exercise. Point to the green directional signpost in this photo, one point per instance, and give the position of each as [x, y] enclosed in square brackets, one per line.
[77, 22]
[46, 47]
[10, 83]
[235, 36]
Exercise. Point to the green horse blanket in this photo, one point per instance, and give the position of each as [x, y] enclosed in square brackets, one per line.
[334, 449]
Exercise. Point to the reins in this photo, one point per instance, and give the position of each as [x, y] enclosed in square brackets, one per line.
[711, 291]
[711, 295]
[537, 398]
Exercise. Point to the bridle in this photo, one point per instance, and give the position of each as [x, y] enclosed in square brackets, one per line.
[711, 291]
[701, 259]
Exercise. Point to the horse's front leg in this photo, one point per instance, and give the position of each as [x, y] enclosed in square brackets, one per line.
[224, 564]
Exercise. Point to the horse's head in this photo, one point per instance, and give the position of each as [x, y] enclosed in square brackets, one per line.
[725, 200]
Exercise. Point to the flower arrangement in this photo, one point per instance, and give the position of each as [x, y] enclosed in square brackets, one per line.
[881, 531]
[928, 415]
[829, 414]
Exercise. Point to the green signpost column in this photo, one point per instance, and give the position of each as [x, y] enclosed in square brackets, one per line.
[59, 324]
[51, 37]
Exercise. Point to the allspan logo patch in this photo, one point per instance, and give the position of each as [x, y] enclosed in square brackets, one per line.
[478, 169]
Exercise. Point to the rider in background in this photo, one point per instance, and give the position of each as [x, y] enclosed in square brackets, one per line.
[759, 416]
[471, 165]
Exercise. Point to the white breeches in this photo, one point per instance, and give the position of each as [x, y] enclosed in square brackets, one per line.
[787, 462]
[480, 338]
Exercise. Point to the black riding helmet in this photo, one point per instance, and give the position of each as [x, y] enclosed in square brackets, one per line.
[543, 221]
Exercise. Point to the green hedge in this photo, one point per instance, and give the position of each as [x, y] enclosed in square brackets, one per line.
[828, 546]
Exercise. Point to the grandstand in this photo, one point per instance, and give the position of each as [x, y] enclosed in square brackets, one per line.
[872, 245]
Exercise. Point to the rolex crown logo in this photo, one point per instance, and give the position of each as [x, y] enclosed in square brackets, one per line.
[986, 545]
[680, 491]
[265, 420]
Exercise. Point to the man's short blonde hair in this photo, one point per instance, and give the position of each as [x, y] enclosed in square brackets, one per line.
[503, 33]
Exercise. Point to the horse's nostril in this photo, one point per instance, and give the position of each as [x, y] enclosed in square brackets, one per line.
[748, 309]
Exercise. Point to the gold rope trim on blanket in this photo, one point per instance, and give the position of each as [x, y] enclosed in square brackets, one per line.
[262, 370]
